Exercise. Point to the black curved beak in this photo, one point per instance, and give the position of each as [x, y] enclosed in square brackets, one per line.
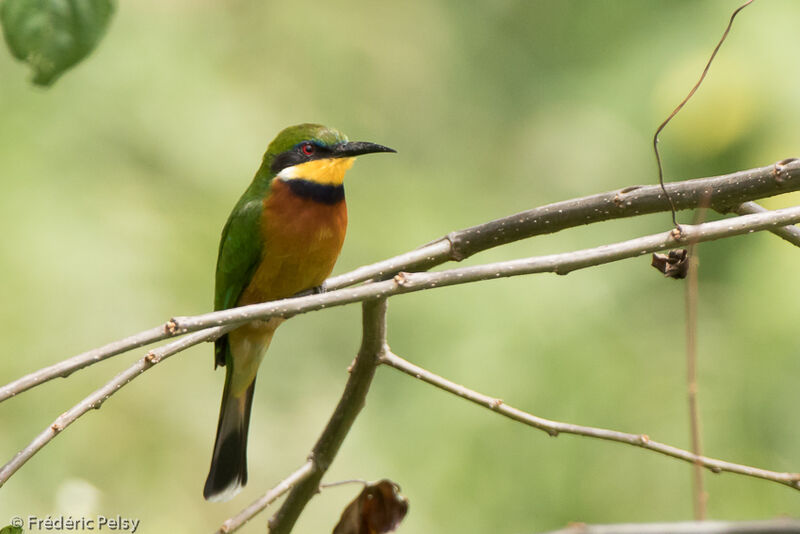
[357, 148]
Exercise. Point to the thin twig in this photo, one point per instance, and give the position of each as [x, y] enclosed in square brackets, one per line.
[96, 399]
[234, 523]
[556, 427]
[373, 346]
[726, 191]
[788, 233]
[691, 290]
[769, 526]
[338, 483]
[66, 367]
[683, 103]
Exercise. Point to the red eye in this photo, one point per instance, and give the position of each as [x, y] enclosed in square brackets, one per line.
[307, 148]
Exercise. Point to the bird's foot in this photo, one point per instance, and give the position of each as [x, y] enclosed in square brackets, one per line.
[322, 288]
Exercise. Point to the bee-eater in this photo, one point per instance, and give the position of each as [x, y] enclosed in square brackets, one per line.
[282, 237]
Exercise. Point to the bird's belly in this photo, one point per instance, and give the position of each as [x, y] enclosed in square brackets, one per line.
[282, 275]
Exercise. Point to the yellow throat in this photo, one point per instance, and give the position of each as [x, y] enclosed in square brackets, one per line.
[329, 171]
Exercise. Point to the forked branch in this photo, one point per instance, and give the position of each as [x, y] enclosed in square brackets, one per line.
[722, 193]
[209, 326]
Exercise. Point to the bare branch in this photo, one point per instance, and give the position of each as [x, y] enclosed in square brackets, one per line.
[373, 346]
[234, 523]
[557, 263]
[66, 367]
[770, 526]
[556, 427]
[427, 256]
[723, 191]
[96, 399]
[718, 192]
[789, 233]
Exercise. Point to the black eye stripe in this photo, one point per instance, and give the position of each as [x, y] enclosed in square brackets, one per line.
[295, 156]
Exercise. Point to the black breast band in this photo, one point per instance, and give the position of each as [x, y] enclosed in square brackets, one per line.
[325, 193]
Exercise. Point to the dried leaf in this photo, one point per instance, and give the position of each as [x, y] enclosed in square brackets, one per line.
[379, 508]
[53, 35]
[674, 264]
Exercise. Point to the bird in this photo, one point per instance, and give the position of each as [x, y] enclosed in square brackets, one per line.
[283, 237]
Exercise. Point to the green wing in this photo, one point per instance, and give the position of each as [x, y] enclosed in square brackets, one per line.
[240, 250]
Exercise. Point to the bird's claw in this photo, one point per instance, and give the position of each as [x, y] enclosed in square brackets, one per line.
[322, 288]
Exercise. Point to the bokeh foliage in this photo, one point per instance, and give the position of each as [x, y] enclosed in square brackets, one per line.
[117, 181]
[53, 35]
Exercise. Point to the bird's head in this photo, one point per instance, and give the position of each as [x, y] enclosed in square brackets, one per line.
[315, 153]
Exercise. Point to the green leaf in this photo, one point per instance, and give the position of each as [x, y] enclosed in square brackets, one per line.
[53, 35]
[11, 530]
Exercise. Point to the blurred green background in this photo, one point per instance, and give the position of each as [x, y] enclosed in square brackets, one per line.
[117, 181]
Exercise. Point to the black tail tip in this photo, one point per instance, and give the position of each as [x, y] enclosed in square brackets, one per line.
[221, 489]
[228, 472]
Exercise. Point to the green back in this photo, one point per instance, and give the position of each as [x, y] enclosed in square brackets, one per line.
[240, 250]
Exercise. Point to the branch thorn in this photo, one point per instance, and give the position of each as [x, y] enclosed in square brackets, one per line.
[171, 327]
[401, 279]
[780, 167]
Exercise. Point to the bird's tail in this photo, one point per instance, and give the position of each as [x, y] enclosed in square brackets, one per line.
[228, 471]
